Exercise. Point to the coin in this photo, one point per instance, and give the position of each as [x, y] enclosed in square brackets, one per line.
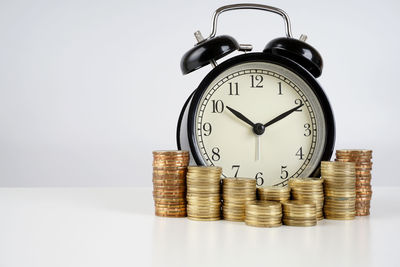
[262, 213]
[274, 193]
[295, 222]
[169, 182]
[362, 159]
[236, 192]
[309, 189]
[179, 205]
[299, 213]
[203, 192]
[216, 218]
[339, 189]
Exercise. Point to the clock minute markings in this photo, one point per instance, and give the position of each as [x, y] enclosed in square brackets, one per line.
[200, 116]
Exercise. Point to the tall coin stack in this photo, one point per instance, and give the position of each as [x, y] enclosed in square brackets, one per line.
[299, 213]
[263, 213]
[203, 193]
[169, 182]
[235, 193]
[340, 189]
[274, 193]
[309, 189]
[362, 159]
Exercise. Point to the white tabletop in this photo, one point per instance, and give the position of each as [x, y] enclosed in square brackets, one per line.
[55, 227]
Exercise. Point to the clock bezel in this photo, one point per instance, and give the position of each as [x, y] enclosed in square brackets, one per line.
[269, 58]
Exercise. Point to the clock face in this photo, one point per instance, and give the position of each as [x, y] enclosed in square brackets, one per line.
[260, 120]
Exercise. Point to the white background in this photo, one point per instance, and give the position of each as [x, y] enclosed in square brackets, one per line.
[103, 227]
[89, 88]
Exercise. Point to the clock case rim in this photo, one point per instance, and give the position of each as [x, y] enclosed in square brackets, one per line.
[291, 65]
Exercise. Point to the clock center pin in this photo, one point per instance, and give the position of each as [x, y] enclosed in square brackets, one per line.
[259, 129]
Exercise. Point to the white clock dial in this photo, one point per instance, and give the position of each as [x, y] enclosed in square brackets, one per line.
[267, 95]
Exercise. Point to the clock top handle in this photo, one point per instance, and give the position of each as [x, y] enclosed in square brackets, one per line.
[250, 6]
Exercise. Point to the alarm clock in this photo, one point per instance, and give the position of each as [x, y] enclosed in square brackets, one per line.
[260, 115]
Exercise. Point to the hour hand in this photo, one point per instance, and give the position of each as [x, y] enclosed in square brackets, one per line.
[240, 116]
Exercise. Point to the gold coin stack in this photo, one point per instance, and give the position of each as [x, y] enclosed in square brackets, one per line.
[169, 182]
[309, 189]
[340, 189]
[274, 193]
[362, 159]
[299, 213]
[203, 193]
[262, 213]
[235, 193]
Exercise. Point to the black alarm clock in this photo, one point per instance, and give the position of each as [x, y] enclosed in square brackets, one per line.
[260, 115]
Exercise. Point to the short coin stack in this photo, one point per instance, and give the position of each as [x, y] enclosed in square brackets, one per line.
[169, 182]
[203, 193]
[362, 159]
[263, 213]
[340, 189]
[235, 193]
[275, 193]
[299, 213]
[309, 189]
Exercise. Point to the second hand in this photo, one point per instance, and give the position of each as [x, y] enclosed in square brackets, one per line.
[258, 147]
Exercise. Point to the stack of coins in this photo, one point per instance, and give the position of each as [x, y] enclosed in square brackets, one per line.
[169, 182]
[235, 193]
[340, 189]
[274, 193]
[362, 159]
[309, 189]
[299, 213]
[203, 193]
[263, 213]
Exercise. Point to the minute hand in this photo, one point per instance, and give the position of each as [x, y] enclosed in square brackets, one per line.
[283, 115]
